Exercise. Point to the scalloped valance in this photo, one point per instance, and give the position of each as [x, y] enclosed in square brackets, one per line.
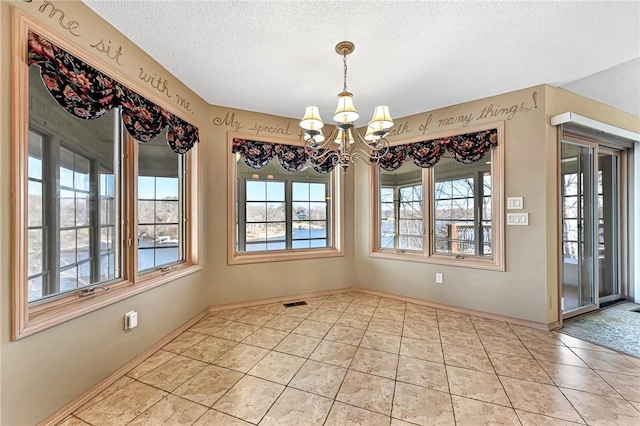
[87, 93]
[292, 158]
[466, 149]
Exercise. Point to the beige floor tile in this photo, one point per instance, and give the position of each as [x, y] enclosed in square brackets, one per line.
[387, 303]
[360, 309]
[324, 315]
[334, 353]
[366, 299]
[367, 391]
[460, 338]
[381, 342]
[173, 373]
[298, 345]
[343, 334]
[385, 326]
[519, 367]
[258, 318]
[319, 378]
[334, 305]
[265, 337]
[422, 331]
[490, 327]
[274, 308]
[284, 323]
[236, 331]
[632, 359]
[531, 419]
[295, 408]
[277, 367]
[527, 334]
[539, 398]
[343, 297]
[635, 404]
[241, 357]
[477, 385]
[389, 314]
[396, 422]
[413, 307]
[627, 386]
[375, 362]
[602, 410]
[171, 410]
[122, 406]
[607, 361]
[312, 329]
[423, 373]
[573, 342]
[216, 418]
[301, 312]
[73, 421]
[557, 354]
[209, 349]
[453, 324]
[504, 345]
[444, 313]
[429, 351]
[348, 415]
[469, 412]
[249, 399]
[232, 314]
[467, 358]
[113, 388]
[354, 320]
[209, 325]
[422, 406]
[585, 379]
[209, 385]
[184, 341]
[420, 317]
[156, 359]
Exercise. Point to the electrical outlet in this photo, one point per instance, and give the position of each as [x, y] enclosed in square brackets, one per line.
[130, 320]
[439, 278]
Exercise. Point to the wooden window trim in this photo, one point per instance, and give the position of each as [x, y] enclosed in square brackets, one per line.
[497, 262]
[26, 319]
[337, 215]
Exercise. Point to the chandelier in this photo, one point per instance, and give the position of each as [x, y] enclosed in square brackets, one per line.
[345, 146]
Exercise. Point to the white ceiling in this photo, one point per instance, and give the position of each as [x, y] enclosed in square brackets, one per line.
[278, 56]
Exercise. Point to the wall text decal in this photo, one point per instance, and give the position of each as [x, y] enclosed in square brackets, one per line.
[228, 120]
[273, 129]
[101, 47]
[56, 12]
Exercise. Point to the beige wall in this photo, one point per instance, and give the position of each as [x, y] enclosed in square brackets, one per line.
[43, 372]
[519, 292]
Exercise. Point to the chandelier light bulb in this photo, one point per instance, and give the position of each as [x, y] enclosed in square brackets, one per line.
[346, 111]
[311, 119]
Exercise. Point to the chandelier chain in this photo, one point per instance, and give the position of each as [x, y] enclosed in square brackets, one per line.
[344, 60]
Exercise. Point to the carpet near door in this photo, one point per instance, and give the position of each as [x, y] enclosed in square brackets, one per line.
[616, 327]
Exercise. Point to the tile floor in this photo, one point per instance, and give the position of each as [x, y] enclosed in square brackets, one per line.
[358, 359]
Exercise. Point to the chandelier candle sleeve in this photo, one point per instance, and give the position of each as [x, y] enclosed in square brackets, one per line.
[345, 145]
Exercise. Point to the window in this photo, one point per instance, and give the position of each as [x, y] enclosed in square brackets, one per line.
[89, 189]
[280, 214]
[446, 211]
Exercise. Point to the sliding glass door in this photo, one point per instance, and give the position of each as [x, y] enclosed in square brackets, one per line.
[608, 225]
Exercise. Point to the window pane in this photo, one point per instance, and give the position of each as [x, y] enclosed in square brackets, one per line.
[35, 156]
[35, 253]
[67, 209]
[35, 289]
[66, 168]
[67, 247]
[461, 227]
[283, 211]
[35, 203]
[82, 209]
[160, 222]
[82, 243]
[81, 173]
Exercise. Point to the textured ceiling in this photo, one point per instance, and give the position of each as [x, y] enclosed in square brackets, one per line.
[278, 56]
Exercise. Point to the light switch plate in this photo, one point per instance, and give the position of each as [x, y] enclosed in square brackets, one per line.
[517, 219]
[515, 203]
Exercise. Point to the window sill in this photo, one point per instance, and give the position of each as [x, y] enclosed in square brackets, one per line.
[49, 314]
[281, 256]
[467, 262]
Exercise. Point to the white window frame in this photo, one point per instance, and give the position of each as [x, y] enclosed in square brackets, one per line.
[334, 215]
[29, 318]
[428, 255]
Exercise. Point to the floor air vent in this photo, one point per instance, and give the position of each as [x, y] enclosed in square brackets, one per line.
[291, 304]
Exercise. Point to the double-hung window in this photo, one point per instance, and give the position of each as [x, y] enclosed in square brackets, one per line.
[98, 216]
[283, 207]
[439, 200]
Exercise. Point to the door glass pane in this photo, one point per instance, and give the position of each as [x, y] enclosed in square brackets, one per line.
[607, 225]
[578, 213]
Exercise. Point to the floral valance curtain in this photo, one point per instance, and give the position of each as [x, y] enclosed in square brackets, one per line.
[466, 149]
[292, 158]
[87, 93]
